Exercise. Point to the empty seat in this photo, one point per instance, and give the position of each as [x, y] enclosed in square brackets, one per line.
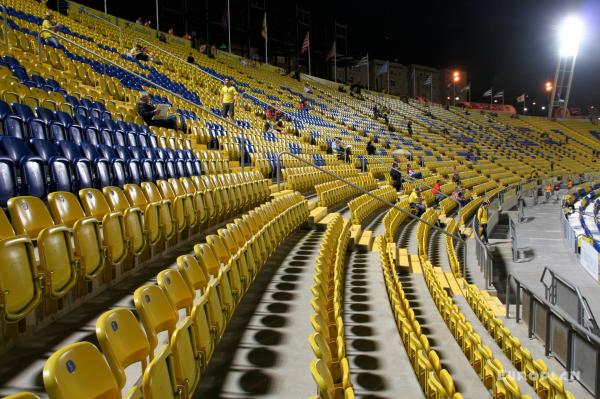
[30, 217]
[132, 216]
[79, 371]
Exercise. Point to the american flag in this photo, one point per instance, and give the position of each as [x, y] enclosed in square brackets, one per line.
[428, 81]
[332, 53]
[305, 44]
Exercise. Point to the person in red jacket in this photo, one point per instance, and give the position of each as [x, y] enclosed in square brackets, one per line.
[436, 190]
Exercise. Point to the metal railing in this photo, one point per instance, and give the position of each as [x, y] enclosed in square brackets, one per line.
[565, 295]
[151, 83]
[563, 338]
[139, 39]
[84, 12]
[5, 23]
[367, 192]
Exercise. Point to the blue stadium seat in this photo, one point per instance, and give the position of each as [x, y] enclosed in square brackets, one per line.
[119, 138]
[181, 169]
[45, 115]
[160, 169]
[133, 171]
[71, 150]
[147, 166]
[36, 129]
[106, 137]
[171, 168]
[63, 118]
[149, 153]
[137, 152]
[102, 171]
[119, 173]
[75, 134]
[8, 181]
[107, 151]
[90, 151]
[122, 152]
[58, 165]
[13, 126]
[57, 131]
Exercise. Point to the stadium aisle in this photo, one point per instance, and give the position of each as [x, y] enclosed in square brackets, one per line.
[378, 362]
[265, 351]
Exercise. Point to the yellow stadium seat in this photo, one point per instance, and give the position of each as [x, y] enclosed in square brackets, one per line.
[204, 340]
[187, 360]
[159, 381]
[123, 341]
[153, 224]
[156, 312]
[176, 289]
[79, 371]
[193, 274]
[22, 395]
[57, 261]
[66, 209]
[207, 259]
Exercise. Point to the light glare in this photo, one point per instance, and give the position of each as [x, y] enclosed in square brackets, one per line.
[569, 36]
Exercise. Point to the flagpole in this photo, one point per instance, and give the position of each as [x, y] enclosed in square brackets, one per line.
[502, 96]
[266, 39]
[368, 75]
[309, 70]
[388, 77]
[469, 92]
[335, 62]
[229, 25]
[431, 89]
[491, 97]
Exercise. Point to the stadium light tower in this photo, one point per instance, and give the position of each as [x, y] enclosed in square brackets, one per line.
[455, 80]
[569, 37]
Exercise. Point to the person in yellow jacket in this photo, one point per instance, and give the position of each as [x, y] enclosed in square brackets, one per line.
[415, 201]
[482, 219]
[228, 99]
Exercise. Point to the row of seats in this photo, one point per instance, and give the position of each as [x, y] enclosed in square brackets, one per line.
[191, 304]
[335, 192]
[363, 207]
[41, 166]
[330, 368]
[435, 381]
[304, 179]
[94, 239]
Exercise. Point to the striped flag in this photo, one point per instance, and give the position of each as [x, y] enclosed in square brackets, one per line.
[362, 62]
[428, 81]
[466, 88]
[305, 44]
[383, 69]
[488, 93]
[521, 98]
[224, 22]
[499, 94]
[332, 53]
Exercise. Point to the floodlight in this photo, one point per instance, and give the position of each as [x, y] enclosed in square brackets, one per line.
[569, 36]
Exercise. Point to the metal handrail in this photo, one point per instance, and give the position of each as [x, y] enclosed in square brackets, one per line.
[106, 22]
[139, 39]
[357, 187]
[106, 60]
[5, 30]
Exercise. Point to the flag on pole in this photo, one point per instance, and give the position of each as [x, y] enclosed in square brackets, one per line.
[362, 62]
[383, 69]
[428, 81]
[224, 22]
[305, 44]
[521, 98]
[264, 28]
[466, 88]
[488, 93]
[499, 94]
[332, 53]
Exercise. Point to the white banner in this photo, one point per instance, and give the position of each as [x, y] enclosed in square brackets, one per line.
[589, 258]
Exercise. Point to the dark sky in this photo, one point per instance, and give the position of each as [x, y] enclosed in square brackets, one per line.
[507, 44]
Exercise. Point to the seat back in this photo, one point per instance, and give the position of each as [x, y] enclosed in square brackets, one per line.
[156, 312]
[29, 215]
[123, 341]
[193, 274]
[159, 380]
[79, 371]
[176, 289]
[207, 259]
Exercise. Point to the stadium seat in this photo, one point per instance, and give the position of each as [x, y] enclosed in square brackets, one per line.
[78, 371]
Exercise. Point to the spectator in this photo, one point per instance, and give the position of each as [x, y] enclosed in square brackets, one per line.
[302, 105]
[455, 176]
[570, 184]
[139, 53]
[228, 99]
[459, 197]
[49, 24]
[415, 201]
[551, 166]
[139, 21]
[548, 191]
[375, 112]
[148, 24]
[371, 148]
[348, 153]
[569, 204]
[557, 188]
[150, 113]
[482, 219]
[412, 173]
[396, 176]
[186, 36]
[409, 128]
[307, 89]
[436, 190]
[270, 113]
[171, 31]
[191, 59]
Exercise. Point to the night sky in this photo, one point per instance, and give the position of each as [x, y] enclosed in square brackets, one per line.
[508, 44]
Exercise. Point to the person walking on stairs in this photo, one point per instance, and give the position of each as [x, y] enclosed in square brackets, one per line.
[548, 191]
[482, 219]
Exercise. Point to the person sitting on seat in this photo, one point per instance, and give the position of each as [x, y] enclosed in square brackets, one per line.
[371, 148]
[436, 190]
[49, 24]
[396, 176]
[151, 114]
[412, 173]
[415, 201]
[459, 196]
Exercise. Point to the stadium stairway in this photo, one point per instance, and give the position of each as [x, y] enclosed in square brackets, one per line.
[451, 355]
[265, 352]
